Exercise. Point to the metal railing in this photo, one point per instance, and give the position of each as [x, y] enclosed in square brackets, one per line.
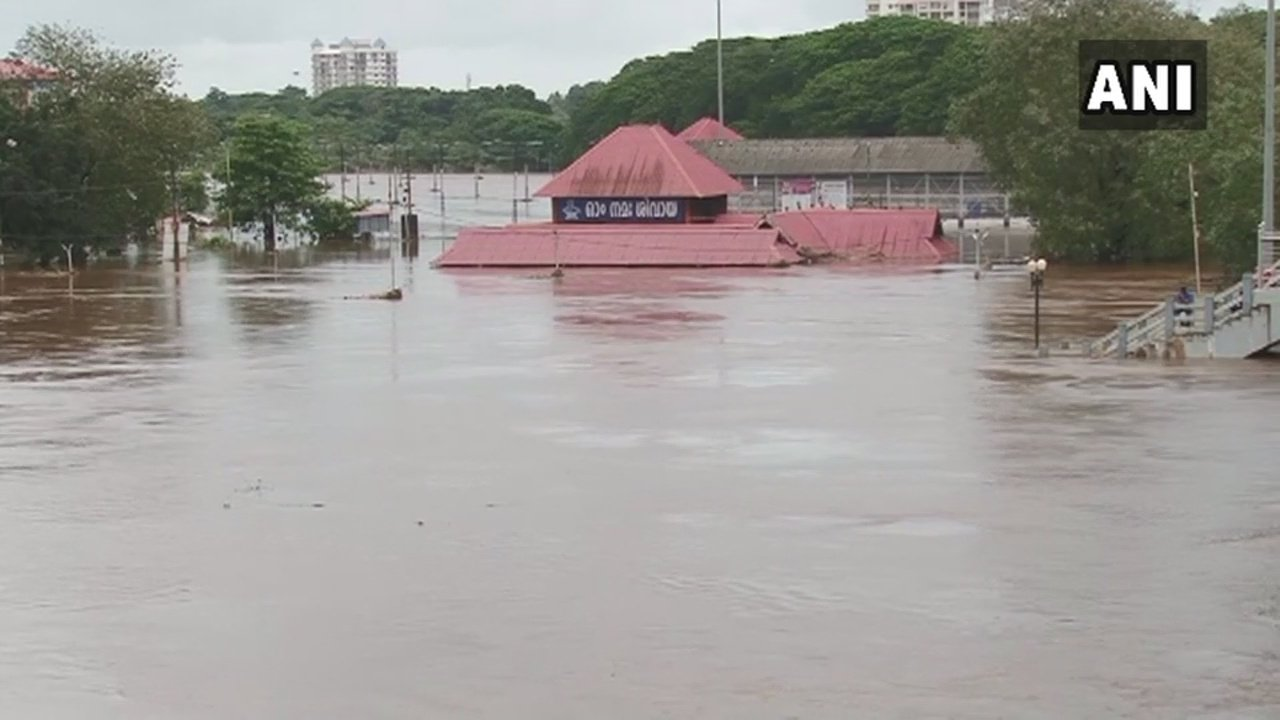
[1170, 319]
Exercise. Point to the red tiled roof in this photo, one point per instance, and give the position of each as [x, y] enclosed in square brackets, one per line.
[740, 218]
[618, 246]
[641, 161]
[911, 235]
[13, 69]
[709, 128]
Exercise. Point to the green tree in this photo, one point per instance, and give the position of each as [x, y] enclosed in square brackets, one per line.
[886, 76]
[1089, 190]
[94, 160]
[331, 220]
[275, 174]
[193, 192]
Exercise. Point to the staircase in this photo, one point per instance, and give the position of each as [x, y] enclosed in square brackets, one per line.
[1239, 322]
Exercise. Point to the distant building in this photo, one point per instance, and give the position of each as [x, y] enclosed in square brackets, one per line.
[892, 172]
[25, 79]
[963, 12]
[352, 63]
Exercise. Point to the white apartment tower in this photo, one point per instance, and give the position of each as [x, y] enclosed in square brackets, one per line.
[352, 62]
[964, 12]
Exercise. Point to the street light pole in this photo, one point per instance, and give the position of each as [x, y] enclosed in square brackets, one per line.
[1267, 232]
[1036, 268]
[720, 63]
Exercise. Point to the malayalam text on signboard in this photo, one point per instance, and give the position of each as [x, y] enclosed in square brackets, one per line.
[625, 210]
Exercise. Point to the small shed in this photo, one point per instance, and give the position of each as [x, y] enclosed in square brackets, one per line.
[374, 220]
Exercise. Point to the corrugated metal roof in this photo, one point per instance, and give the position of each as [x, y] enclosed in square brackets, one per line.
[709, 128]
[618, 246]
[843, 156]
[903, 235]
[641, 161]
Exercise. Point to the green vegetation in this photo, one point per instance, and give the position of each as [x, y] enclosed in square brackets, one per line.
[276, 175]
[110, 148]
[889, 76]
[1120, 196]
[100, 155]
[409, 127]
[332, 221]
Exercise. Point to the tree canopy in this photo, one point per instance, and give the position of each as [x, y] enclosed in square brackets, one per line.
[97, 158]
[1118, 196]
[111, 147]
[409, 126]
[888, 76]
[275, 176]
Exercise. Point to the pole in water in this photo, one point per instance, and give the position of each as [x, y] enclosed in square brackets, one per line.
[442, 225]
[71, 270]
[1269, 140]
[719, 64]
[1037, 316]
[1195, 225]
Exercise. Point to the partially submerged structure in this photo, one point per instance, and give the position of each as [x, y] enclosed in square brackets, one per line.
[889, 172]
[709, 128]
[643, 197]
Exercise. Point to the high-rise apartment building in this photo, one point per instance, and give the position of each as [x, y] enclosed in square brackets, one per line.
[352, 62]
[964, 12]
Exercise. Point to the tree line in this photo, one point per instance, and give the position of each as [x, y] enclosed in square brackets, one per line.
[1121, 196]
[889, 76]
[94, 158]
[111, 147]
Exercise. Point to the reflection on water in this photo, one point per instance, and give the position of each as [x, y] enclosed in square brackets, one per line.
[230, 492]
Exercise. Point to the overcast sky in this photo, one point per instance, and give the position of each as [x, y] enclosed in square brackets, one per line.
[242, 45]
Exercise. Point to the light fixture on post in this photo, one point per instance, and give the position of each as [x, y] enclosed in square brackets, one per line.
[1035, 269]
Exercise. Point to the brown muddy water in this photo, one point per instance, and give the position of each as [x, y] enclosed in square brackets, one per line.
[810, 493]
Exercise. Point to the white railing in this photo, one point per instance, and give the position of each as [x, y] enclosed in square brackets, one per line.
[1169, 318]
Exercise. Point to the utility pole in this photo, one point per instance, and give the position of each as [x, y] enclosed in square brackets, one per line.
[177, 221]
[720, 64]
[1195, 225]
[231, 225]
[408, 191]
[515, 182]
[441, 186]
[342, 158]
[1266, 234]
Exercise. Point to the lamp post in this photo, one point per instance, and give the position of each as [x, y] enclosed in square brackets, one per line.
[1036, 268]
[1266, 234]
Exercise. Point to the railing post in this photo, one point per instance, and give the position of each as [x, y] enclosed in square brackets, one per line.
[1168, 321]
[1122, 341]
[1246, 291]
[1208, 314]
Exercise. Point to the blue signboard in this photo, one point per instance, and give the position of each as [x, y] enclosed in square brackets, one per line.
[620, 210]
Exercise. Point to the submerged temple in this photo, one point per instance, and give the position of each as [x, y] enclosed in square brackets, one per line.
[644, 197]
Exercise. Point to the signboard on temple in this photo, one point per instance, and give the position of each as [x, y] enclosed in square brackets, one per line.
[620, 210]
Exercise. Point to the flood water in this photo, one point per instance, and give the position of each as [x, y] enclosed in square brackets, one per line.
[228, 492]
